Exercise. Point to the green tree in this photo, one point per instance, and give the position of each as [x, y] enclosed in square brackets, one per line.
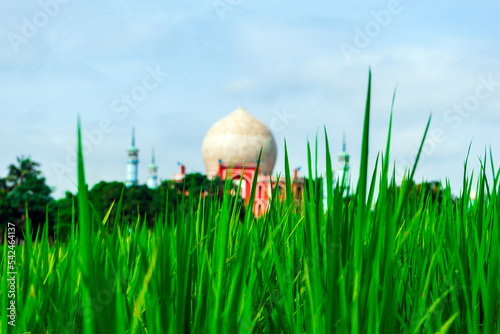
[24, 187]
[6, 211]
[19, 173]
[102, 196]
[34, 194]
[137, 201]
[62, 210]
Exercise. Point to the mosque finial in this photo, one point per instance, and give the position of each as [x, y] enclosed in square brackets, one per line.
[132, 163]
[152, 172]
[343, 142]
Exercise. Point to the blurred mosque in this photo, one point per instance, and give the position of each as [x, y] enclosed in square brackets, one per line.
[230, 150]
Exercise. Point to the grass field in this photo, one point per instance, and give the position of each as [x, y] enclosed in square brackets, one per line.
[398, 263]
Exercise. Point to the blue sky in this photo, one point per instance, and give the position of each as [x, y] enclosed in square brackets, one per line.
[285, 61]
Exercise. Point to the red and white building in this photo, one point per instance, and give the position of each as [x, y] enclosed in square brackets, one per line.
[231, 150]
[266, 185]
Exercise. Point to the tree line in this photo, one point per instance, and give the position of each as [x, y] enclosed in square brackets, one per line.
[24, 192]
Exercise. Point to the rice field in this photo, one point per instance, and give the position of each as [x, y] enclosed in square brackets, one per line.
[398, 262]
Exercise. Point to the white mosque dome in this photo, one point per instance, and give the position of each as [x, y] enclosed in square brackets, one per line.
[238, 138]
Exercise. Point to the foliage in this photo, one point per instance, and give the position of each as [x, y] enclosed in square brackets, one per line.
[35, 194]
[25, 168]
[24, 188]
[137, 201]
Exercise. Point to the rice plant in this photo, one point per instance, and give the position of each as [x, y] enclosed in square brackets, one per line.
[400, 262]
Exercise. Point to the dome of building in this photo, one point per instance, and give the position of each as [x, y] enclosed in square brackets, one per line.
[238, 138]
